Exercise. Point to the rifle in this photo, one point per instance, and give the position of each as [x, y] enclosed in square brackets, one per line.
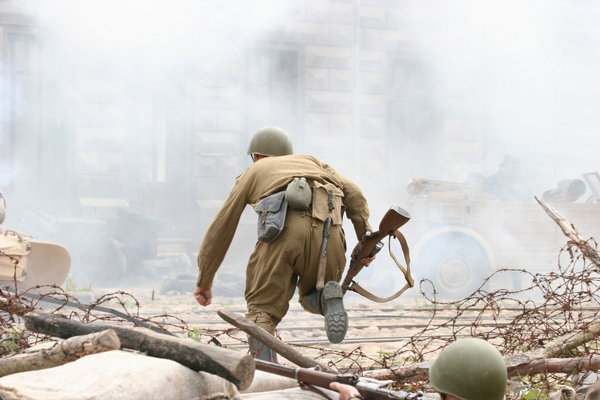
[370, 245]
[368, 390]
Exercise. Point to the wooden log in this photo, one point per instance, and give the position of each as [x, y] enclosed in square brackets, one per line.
[281, 348]
[571, 341]
[516, 365]
[234, 366]
[418, 371]
[60, 353]
[12, 306]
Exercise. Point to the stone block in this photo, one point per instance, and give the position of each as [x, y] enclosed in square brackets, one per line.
[207, 73]
[373, 104]
[89, 114]
[220, 96]
[463, 108]
[372, 82]
[112, 163]
[316, 123]
[341, 124]
[229, 119]
[462, 150]
[374, 148]
[329, 101]
[316, 78]
[206, 119]
[204, 165]
[87, 162]
[113, 114]
[373, 60]
[229, 74]
[342, 35]
[228, 166]
[209, 142]
[213, 188]
[372, 126]
[404, 39]
[418, 16]
[328, 146]
[101, 186]
[370, 16]
[294, 9]
[463, 129]
[341, 79]
[300, 32]
[99, 91]
[329, 56]
[330, 11]
[387, 3]
[100, 139]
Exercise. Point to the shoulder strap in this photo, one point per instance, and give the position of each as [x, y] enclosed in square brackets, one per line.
[355, 287]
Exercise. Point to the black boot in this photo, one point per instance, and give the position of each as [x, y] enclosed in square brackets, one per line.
[336, 318]
[261, 351]
[312, 303]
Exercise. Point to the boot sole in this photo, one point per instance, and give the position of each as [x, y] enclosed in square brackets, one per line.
[336, 318]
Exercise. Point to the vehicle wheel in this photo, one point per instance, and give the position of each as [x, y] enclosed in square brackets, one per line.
[456, 264]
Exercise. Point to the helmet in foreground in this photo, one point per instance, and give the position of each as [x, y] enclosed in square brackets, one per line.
[470, 369]
[271, 141]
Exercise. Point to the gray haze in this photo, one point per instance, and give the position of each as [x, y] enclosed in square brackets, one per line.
[526, 72]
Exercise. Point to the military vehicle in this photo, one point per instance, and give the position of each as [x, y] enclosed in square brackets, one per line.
[26, 262]
[459, 235]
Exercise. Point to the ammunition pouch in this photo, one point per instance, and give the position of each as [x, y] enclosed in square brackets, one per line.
[327, 202]
[271, 216]
[14, 251]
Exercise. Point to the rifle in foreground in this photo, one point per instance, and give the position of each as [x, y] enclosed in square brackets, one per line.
[368, 390]
[371, 243]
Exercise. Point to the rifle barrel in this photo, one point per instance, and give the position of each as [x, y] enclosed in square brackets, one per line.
[370, 391]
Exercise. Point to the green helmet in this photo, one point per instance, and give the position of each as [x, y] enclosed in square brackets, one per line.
[270, 141]
[470, 369]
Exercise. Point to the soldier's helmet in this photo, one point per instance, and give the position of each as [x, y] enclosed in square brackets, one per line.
[270, 141]
[470, 369]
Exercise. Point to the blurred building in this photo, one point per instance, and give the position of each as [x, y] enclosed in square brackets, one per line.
[383, 90]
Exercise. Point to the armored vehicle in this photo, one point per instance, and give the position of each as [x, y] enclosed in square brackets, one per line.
[459, 235]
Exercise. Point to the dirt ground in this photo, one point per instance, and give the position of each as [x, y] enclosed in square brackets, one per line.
[299, 328]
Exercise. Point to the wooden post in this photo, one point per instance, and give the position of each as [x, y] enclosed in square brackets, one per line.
[276, 345]
[234, 366]
[60, 353]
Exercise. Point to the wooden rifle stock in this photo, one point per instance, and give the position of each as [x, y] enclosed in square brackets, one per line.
[370, 245]
[370, 391]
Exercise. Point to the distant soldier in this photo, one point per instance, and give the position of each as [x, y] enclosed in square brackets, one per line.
[291, 231]
[508, 183]
[568, 190]
[467, 369]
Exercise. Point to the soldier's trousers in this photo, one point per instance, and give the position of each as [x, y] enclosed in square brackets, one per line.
[275, 269]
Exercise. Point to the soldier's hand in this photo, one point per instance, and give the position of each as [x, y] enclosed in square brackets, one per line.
[367, 260]
[203, 296]
[345, 391]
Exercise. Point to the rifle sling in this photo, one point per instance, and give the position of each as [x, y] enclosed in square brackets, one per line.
[355, 287]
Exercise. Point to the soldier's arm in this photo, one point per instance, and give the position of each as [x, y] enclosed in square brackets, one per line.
[219, 235]
[357, 208]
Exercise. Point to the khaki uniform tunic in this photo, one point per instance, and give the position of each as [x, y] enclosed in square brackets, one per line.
[292, 259]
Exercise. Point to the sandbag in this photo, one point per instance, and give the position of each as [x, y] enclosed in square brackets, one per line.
[264, 382]
[116, 375]
[288, 394]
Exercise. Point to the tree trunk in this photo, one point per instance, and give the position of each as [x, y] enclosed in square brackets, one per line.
[234, 366]
[60, 353]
